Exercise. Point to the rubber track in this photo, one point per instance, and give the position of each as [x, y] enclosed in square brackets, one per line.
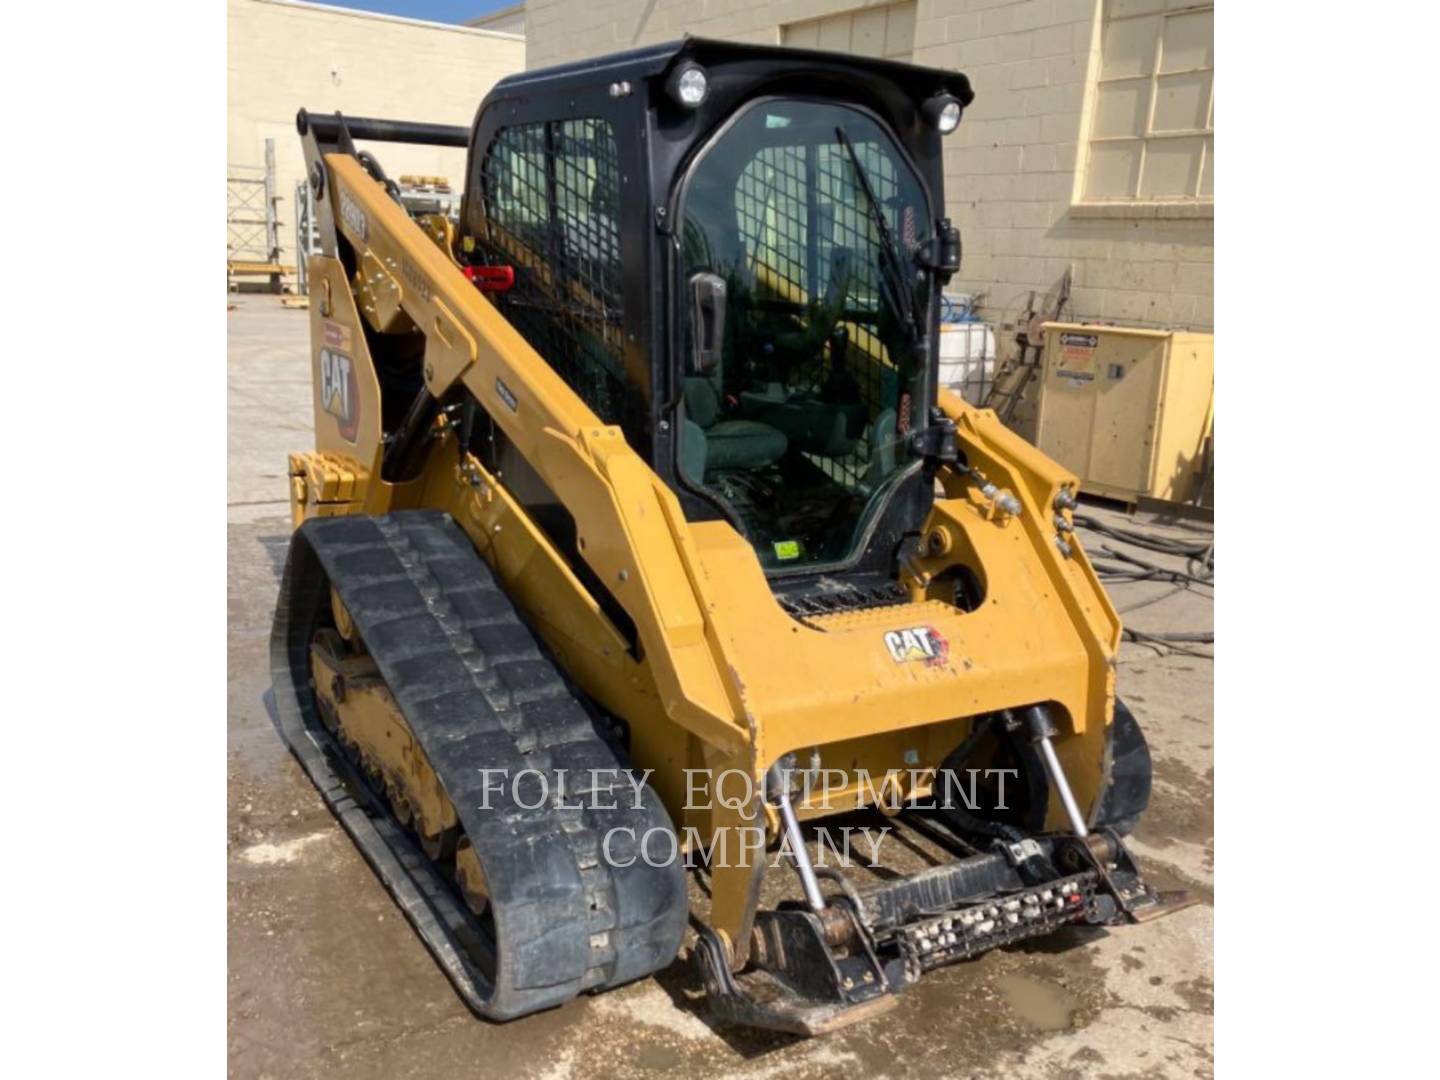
[480, 692]
[1127, 789]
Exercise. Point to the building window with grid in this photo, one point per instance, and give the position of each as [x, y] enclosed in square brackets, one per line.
[1152, 129]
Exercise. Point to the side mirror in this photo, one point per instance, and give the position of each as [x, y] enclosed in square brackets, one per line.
[949, 259]
[707, 321]
[946, 249]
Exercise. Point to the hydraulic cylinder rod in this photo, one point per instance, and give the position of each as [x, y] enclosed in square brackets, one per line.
[780, 792]
[1057, 777]
[1041, 730]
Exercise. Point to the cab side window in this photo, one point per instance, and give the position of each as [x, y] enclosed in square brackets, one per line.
[552, 197]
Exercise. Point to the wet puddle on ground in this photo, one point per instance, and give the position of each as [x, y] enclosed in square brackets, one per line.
[1041, 1005]
[654, 1056]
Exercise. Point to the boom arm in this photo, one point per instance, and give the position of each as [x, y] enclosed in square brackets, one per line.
[632, 532]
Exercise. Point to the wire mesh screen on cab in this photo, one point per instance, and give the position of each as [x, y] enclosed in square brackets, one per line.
[778, 194]
[551, 196]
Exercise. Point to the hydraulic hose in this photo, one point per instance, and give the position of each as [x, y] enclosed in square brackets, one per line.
[1199, 556]
[1199, 570]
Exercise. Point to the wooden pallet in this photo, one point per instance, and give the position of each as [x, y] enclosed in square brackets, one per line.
[240, 266]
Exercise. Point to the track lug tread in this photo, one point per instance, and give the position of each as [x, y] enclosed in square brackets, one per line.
[480, 692]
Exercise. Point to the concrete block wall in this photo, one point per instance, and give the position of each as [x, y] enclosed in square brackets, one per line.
[1010, 173]
[561, 30]
[1010, 168]
[284, 55]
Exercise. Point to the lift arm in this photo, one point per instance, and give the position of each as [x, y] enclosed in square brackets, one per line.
[632, 533]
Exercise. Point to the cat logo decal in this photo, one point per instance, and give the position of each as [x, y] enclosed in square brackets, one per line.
[339, 395]
[922, 643]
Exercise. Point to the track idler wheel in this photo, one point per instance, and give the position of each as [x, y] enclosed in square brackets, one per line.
[344, 624]
[470, 876]
[399, 804]
[438, 845]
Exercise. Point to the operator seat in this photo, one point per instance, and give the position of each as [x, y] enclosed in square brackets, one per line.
[709, 444]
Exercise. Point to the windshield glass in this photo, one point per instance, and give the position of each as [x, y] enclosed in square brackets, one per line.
[802, 310]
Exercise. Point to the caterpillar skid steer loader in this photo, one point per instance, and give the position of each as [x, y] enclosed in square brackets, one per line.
[638, 536]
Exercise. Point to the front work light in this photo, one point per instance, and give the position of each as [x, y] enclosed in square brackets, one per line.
[943, 111]
[688, 84]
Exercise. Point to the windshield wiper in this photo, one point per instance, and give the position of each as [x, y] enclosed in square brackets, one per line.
[892, 272]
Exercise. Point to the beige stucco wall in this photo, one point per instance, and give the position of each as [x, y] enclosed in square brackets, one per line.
[284, 55]
[1009, 170]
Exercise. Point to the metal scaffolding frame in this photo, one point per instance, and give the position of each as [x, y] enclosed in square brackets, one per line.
[252, 223]
[307, 233]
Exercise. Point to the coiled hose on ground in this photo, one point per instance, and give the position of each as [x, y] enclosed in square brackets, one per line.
[1122, 566]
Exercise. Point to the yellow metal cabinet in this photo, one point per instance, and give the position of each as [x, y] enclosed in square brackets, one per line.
[1127, 410]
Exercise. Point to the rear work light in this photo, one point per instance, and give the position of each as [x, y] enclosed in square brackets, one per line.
[943, 110]
[689, 85]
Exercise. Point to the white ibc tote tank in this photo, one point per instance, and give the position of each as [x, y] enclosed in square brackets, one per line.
[967, 351]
